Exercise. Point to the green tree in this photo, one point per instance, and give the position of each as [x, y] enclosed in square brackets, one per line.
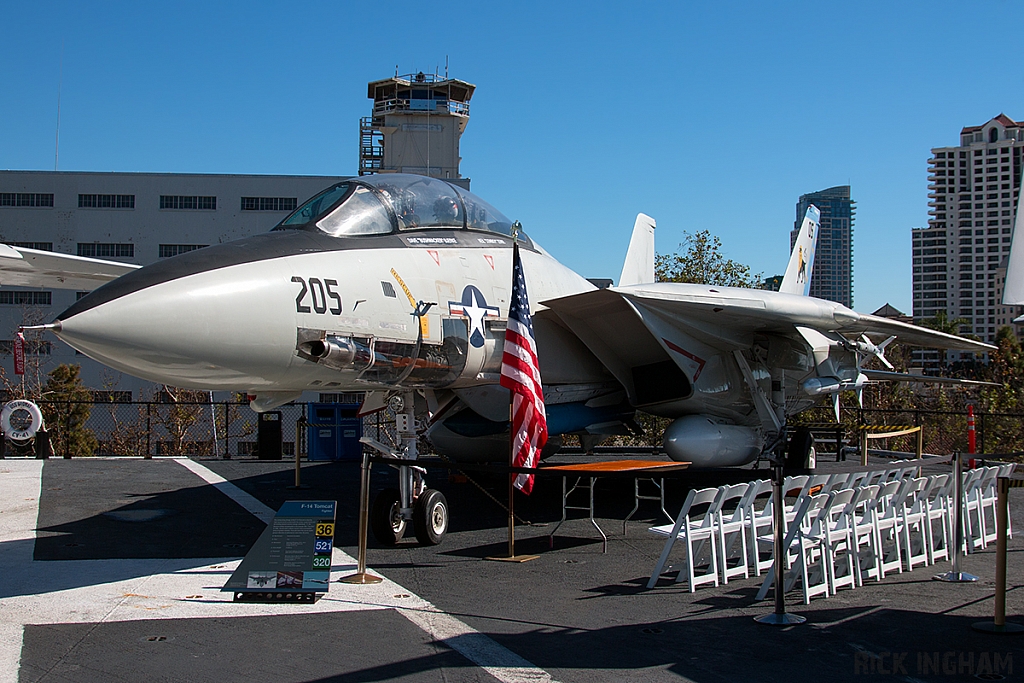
[700, 260]
[943, 323]
[66, 406]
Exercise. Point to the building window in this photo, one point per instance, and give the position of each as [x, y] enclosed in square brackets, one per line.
[169, 250]
[38, 246]
[168, 201]
[25, 199]
[106, 250]
[15, 298]
[269, 203]
[106, 201]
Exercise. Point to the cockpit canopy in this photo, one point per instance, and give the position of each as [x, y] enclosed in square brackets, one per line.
[386, 203]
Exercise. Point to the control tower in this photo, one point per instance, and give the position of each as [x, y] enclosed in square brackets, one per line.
[416, 125]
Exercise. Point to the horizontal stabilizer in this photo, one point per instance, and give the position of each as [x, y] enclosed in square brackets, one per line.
[797, 279]
[639, 265]
[23, 267]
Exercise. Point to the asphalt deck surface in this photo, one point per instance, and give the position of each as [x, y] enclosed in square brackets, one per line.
[121, 583]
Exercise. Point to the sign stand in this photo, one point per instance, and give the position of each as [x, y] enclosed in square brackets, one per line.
[362, 576]
[291, 560]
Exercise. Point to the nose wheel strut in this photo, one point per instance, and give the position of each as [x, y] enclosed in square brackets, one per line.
[412, 501]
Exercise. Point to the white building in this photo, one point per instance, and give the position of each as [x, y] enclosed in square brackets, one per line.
[131, 217]
[959, 260]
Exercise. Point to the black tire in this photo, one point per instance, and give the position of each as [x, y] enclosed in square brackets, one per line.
[430, 517]
[386, 517]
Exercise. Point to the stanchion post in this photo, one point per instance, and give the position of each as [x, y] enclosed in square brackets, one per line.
[955, 575]
[361, 576]
[863, 446]
[998, 623]
[779, 617]
[298, 465]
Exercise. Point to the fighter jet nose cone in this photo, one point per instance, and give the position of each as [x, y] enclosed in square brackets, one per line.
[206, 330]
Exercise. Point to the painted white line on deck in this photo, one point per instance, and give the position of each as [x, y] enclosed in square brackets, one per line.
[247, 501]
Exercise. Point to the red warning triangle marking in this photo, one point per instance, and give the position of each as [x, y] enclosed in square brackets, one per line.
[490, 260]
[434, 255]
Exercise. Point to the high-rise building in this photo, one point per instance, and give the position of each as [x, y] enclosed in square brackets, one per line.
[959, 260]
[832, 275]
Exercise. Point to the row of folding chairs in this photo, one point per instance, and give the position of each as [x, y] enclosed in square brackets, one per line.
[839, 529]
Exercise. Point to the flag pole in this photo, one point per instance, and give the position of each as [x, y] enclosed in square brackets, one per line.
[511, 484]
[512, 557]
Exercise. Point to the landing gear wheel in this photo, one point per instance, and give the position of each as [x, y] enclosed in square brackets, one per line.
[386, 517]
[430, 517]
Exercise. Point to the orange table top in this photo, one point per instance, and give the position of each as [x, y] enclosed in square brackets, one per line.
[617, 466]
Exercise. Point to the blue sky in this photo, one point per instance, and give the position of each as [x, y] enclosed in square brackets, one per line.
[715, 116]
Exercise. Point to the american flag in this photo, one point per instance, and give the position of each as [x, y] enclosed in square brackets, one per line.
[520, 374]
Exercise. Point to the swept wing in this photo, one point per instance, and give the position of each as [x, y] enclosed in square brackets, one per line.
[24, 267]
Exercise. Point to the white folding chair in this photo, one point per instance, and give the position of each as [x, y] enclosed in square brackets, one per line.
[888, 526]
[694, 531]
[937, 503]
[815, 484]
[839, 540]
[759, 520]
[987, 491]
[856, 480]
[874, 477]
[794, 486]
[732, 525]
[836, 482]
[974, 537]
[915, 513]
[866, 553]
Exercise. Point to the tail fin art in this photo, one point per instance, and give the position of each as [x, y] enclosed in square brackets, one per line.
[797, 279]
[639, 265]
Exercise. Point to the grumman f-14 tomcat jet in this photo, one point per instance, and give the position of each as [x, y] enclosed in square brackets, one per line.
[398, 285]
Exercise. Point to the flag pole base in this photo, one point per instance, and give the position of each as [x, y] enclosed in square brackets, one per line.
[992, 627]
[362, 578]
[955, 577]
[784, 619]
[512, 558]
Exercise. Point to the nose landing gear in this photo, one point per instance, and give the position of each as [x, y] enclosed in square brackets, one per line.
[393, 509]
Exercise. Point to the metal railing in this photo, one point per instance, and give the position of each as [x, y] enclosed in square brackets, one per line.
[944, 431]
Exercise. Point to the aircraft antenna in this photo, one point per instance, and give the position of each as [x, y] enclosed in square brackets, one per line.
[60, 82]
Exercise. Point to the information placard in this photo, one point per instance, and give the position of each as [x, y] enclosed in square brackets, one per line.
[291, 560]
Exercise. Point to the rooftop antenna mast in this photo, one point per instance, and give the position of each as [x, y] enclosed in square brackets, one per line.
[60, 82]
[446, 67]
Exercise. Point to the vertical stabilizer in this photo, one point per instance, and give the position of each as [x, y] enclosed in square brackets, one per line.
[639, 265]
[1013, 288]
[797, 279]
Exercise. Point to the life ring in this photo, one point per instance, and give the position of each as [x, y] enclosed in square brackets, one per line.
[26, 433]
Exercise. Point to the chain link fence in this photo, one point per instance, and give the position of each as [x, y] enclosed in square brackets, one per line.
[223, 429]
